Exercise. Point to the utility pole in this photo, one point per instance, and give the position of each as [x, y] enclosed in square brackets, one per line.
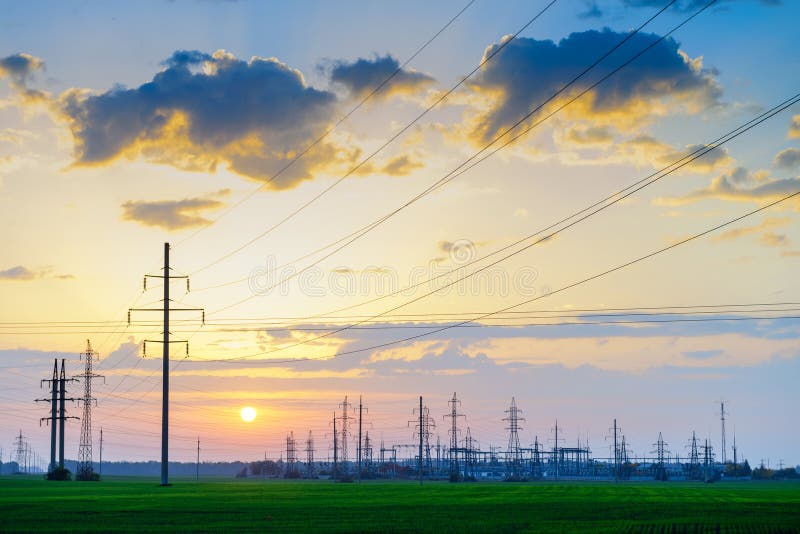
[62, 415]
[454, 431]
[722, 420]
[165, 341]
[335, 449]
[735, 451]
[360, 415]
[197, 472]
[53, 400]
[345, 417]
[420, 440]
[616, 453]
[101, 452]
[85, 468]
[310, 455]
[514, 458]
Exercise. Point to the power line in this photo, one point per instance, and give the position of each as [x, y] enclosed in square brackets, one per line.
[460, 168]
[528, 301]
[342, 119]
[670, 169]
[399, 133]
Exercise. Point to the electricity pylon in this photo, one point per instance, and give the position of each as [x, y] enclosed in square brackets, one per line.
[85, 469]
[165, 341]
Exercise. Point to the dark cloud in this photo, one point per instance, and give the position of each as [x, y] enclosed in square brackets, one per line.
[19, 69]
[18, 273]
[739, 185]
[592, 11]
[252, 115]
[363, 75]
[691, 5]
[530, 71]
[788, 159]
[172, 214]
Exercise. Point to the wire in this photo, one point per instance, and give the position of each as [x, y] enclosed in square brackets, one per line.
[400, 132]
[671, 168]
[528, 301]
[454, 173]
[346, 116]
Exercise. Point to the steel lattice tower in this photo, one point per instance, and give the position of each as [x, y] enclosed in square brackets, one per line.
[514, 458]
[345, 418]
[310, 455]
[85, 469]
[454, 431]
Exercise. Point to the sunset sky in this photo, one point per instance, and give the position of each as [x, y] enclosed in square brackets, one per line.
[127, 125]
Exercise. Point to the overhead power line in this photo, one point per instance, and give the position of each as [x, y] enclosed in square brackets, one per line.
[327, 132]
[461, 167]
[528, 301]
[670, 169]
[372, 154]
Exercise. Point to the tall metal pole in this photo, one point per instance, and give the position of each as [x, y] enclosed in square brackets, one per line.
[197, 473]
[360, 413]
[165, 377]
[335, 450]
[616, 454]
[420, 440]
[101, 452]
[53, 415]
[62, 391]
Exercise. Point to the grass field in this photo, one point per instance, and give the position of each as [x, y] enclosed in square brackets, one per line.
[139, 505]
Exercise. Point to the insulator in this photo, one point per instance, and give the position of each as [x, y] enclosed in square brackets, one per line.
[144, 284]
[203, 322]
[144, 349]
[129, 317]
[187, 349]
[187, 285]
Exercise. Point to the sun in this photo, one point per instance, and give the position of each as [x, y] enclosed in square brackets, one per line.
[248, 414]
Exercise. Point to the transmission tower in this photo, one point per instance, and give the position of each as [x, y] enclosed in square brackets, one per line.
[310, 455]
[423, 429]
[470, 455]
[556, 449]
[367, 452]
[165, 342]
[20, 457]
[53, 400]
[291, 455]
[661, 452]
[343, 432]
[454, 403]
[85, 469]
[514, 458]
[723, 450]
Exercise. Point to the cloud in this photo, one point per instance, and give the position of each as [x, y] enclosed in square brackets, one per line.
[739, 185]
[529, 71]
[592, 10]
[592, 135]
[202, 110]
[788, 159]
[771, 239]
[19, 69]
[362, 76]
[172, 214]
[736, 233]
[691, 5]
[401, 166]
[794, 127]
[20, 273]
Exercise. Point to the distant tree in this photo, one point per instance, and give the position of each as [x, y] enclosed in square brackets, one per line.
[242, 473]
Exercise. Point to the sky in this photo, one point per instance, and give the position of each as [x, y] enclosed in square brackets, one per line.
[318, 168]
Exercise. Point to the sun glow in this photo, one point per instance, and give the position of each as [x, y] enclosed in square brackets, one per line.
[248, 414]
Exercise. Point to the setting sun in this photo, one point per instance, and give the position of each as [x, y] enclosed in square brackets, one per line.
[248, 414]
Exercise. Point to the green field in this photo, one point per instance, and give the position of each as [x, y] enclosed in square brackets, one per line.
[138, 505]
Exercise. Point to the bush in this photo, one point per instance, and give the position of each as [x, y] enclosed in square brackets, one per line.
[59, 473]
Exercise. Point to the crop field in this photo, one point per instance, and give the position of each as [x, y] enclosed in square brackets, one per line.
[140, 505]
